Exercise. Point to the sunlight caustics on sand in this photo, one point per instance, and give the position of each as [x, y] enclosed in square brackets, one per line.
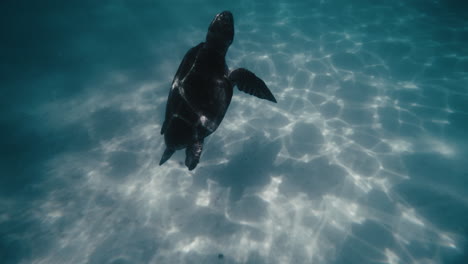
[356, 163]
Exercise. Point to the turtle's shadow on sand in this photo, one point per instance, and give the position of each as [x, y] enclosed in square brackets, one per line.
[250, 168]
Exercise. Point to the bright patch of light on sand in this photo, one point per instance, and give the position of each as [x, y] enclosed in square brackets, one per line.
[208, 196]
[343, 211]
[447, 241]
[172, 230]
[399, 146]
[348, 131]
[448, 110]
[392, 258]
[300, 59]
[363, 183]
[203, 198]
[410, 216]
[441, 147]
[407, 85]
[197, 244]
[55, 214]
[442, 122]
[332, 148]
[384, 184]
[280, 45]
[270, 193]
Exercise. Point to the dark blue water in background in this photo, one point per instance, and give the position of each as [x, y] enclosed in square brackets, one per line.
[363, 160]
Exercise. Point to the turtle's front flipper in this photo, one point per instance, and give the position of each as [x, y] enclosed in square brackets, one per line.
[248, 82]
[167, 155]
[192, 154]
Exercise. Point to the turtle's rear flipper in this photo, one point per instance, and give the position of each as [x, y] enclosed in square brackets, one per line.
[248, 82]
[167, 155]
[192, 154]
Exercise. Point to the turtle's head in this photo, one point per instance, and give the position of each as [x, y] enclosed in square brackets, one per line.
[221, 31]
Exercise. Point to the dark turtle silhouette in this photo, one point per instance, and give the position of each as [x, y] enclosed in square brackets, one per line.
[202, 90]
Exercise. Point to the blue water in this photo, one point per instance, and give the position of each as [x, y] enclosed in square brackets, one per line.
[364, 158]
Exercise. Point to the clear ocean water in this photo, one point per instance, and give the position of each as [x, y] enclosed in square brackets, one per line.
[364, 159]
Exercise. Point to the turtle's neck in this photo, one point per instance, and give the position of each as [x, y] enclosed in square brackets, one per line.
[219, 48]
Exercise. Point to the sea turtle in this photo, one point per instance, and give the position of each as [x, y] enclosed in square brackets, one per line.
[201, 92]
